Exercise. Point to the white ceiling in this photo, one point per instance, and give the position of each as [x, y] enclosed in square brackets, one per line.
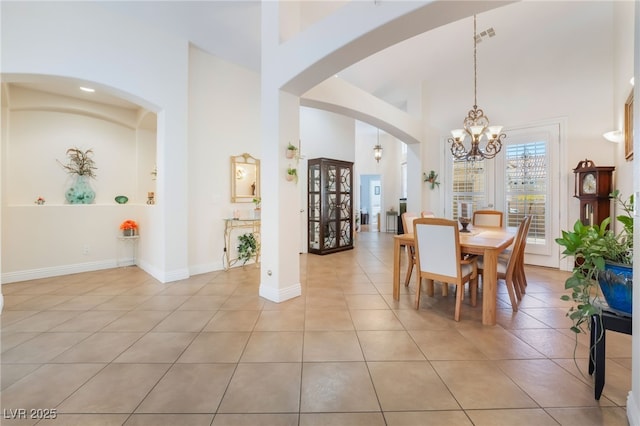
[231, 30]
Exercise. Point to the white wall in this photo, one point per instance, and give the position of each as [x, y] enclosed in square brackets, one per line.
[224, 121]
[56, 238]
[325, 134]
[78, 40]
[622, 73]
[388, 168]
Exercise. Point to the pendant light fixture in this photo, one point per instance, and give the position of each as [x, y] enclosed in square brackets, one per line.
[476, 123]
[377, 150]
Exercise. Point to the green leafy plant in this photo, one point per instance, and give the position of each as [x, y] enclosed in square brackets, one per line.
[592, 246]
[432, 178]
[292, 174]
[257, 201]
[292, 151]
[247, 247]
[80, 162]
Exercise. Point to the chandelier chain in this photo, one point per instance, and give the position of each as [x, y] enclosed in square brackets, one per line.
[476, 123]
[475, 64]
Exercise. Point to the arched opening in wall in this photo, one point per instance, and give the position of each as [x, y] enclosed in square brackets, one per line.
[42, 118]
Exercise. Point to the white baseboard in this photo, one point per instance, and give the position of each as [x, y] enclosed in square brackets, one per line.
[633, 411]
[164, 276]
[55, 271]
[282, 294]
[205, 268]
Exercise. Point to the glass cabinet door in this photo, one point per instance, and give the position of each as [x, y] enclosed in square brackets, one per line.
[329, 205]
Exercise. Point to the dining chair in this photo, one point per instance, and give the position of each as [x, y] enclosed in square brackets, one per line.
[511, 267]
[488, 218]
[407, 226]
[521, 278]
[427, 213]
[439, 258]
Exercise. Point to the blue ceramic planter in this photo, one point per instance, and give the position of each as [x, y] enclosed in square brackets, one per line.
[616, 283]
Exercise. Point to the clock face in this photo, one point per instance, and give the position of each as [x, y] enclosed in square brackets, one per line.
[589, 184]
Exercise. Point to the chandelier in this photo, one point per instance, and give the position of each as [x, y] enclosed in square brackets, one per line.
[476, 124]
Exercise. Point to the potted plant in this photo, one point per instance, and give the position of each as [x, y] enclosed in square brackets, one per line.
[292, 150]
[129, 228]
[292, 174]
[257, 201]
[597, 250]
[247, 247]
[81, 164]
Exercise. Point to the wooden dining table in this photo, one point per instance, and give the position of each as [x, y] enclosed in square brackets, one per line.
[488, 242]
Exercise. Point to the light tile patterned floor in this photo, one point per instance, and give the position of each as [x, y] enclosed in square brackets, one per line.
[117, 347]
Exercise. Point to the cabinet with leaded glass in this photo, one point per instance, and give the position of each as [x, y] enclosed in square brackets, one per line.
[330, 190]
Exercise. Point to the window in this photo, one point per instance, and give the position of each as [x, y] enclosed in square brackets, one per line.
[526, 187]
[469, 184]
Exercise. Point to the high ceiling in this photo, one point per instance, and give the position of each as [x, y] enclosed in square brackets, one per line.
[231, 30]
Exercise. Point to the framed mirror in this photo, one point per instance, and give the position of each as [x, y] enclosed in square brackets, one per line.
[245, 178]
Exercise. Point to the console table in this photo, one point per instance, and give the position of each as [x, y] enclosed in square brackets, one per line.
[231, 225]
[599, 325]
[133, 241]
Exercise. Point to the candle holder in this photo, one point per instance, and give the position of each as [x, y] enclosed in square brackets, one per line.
[464, 221]
[465, 213]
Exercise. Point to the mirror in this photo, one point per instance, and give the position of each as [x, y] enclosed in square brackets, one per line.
[245, 178]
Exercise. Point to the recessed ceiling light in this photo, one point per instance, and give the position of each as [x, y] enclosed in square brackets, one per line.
[87, 89]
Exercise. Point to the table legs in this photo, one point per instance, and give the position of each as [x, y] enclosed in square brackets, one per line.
[489, 287]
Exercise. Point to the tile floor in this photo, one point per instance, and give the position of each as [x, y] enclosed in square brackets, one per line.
[116, 347]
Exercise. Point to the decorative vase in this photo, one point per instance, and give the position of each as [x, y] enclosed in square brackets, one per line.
[81, 191]
[128, 232]
[291, 153]
[616, 283]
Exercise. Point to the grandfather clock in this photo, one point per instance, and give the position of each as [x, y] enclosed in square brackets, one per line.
[592, 187]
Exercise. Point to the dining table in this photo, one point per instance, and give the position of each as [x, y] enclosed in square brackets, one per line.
[488, 242]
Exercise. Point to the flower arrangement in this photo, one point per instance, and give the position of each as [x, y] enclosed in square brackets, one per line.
[39, 201]
[129, 227]
[80, 163]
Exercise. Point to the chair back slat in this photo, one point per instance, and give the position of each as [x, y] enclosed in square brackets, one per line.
[407, 222]
[490, 218]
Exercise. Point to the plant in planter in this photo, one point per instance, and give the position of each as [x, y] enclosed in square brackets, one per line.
[292, 151]
[129, 228]
[82, 165]
[292, 174]
[593, 247]
[247, 247]
[257, 201]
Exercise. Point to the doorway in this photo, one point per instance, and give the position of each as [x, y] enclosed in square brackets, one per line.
[370, 202]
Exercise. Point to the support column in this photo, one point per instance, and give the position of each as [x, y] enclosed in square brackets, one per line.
[280, 216]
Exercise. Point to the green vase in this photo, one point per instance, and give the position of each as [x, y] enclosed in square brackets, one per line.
[81, 191]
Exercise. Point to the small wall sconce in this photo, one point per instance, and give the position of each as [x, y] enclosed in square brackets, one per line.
[616, 136]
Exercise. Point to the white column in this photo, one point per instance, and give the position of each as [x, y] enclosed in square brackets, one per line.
[280, 233]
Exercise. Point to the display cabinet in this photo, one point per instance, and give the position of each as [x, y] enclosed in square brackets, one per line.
[330, 205]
